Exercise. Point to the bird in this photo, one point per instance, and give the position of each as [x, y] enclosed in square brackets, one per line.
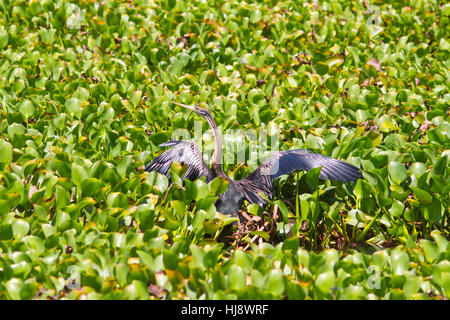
[257, 183]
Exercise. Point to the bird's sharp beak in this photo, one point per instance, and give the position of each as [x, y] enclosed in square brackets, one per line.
[184, 106]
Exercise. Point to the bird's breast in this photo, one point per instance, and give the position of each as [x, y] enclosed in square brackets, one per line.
[230, 201]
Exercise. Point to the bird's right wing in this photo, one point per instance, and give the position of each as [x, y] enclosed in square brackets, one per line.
[184, 152]
[289, 161]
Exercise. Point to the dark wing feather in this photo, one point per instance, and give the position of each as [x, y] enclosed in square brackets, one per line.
[286, 162]
[184, 152]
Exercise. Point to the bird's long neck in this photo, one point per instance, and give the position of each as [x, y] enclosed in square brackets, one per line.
[218, 148]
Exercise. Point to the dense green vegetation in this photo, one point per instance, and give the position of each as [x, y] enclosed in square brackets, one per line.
[85, 91]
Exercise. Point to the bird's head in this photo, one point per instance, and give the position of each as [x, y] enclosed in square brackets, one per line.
[198, 110]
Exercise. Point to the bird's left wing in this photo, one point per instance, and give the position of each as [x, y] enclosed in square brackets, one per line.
[286, 162]
[184, 152]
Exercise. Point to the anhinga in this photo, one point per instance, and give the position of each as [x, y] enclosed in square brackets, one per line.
[259, 181]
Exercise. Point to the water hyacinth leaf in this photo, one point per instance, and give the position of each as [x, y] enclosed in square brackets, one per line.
[434, 212]
[79, 174]
[399, 261]
[236, 277]
[442, 243]
[430, 249]
[284, 210]
[145, 216]
[48, 229]
[73, 107]
[218, 186]
[397, 171]
[418, 168]
[178, 207]
[312, 177]
[441, 275]
[262, 234]
[123, 166]
[3, 38]
[170, 259]
[13, 288]
[35, 243]
[6, 232]
[242, 259]
[62, 220]
[62, 197]
[136, 290]
[211, 256]
[202, 189]
[295, 291]
[136, 98]
[325, 281]
[440, 165]
[161, 183]
[397, 208]
[275, 283]
[321, 68]
[90, 186]
[27, 109]
[20, 228]
[423, 196]
[117, 200]
[6, 152]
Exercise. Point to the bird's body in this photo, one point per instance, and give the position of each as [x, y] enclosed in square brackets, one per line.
[259, 181]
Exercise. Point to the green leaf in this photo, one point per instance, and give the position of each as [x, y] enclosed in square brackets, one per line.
[275, 283]
[6, 231]
[325, 281]
[441, 275]
[295, 291]
[136, 98]
[35, 243]
[399, 261]
[440, 165]
[62, 197]
[136, 290]
[79, 174]
[117, 200]
[27, 109]
[170, 259]
[202, 189]
[418, 168]
[90, 186]
[397, 171]
[218, 186]
[62, 220]
[3, 38]
[430, 249]
[321, 68]
[145, 216]
[13, 288]
[6, 153]
[20, 228]
[397, 208]
[73, 107]
[262, 234]
[312, 177]
[48, 229]
[283, 209]
[236, 277]
[123, 166]
[423, 196]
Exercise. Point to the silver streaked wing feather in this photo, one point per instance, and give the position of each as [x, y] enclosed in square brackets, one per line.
[184, 152]
[286, 162]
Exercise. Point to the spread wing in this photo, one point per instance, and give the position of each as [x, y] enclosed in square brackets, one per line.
[184, 152]
[286, 162]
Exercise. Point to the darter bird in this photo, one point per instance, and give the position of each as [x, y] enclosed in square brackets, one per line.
[259, 181]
